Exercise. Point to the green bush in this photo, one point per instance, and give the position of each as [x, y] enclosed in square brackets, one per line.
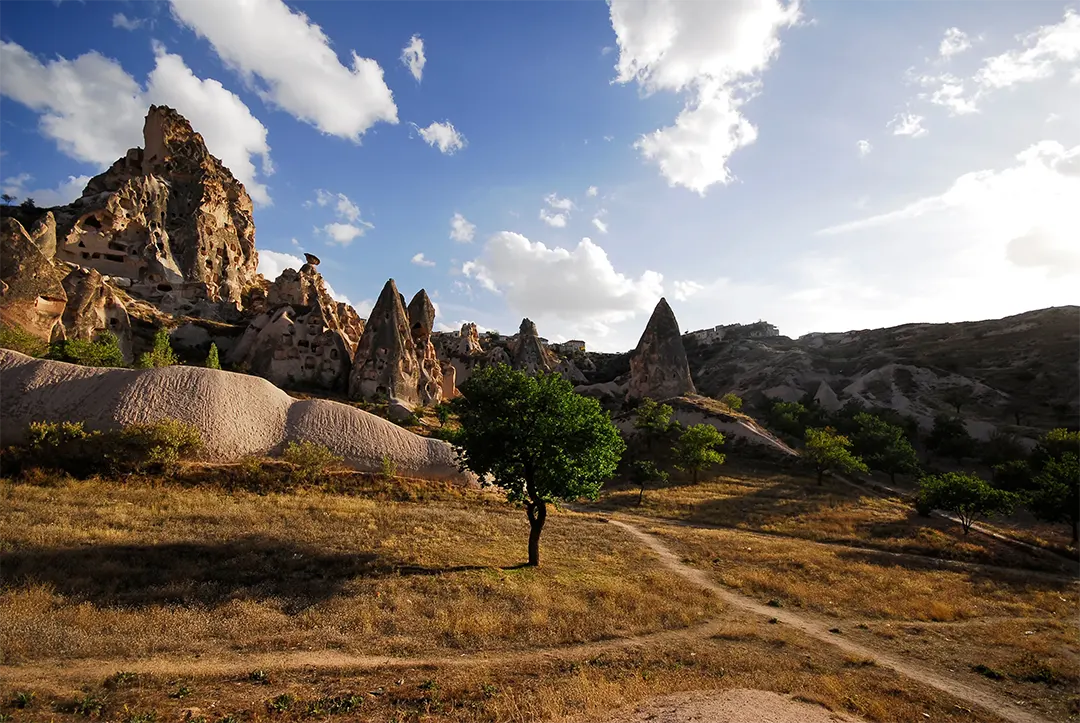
[134, 449]
[18, 339]
[389, 468]
[309, 460]
[733, 401]
[212, 361]
[162, 355]
[443, 411]
[103, 351]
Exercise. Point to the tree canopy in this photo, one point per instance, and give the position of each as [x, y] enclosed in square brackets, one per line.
[654, 421]
[949, 437]
[536, 438]
[162, 354]
[967, 496]
[1056, 497]
[696, 449]
[830, 451]
[883, 446]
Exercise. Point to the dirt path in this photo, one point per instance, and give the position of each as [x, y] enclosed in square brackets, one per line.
[975, 696]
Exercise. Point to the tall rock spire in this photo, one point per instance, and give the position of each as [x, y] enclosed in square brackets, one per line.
[386, 362]
[422, 320]
[658, 366]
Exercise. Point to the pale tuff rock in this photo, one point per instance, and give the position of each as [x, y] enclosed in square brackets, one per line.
[301, 340]
[658, 366]
[422, 320]
[385, 365]
[171, 218]
[33, 291]
[826, 397]
[94, 306]
[528, 353]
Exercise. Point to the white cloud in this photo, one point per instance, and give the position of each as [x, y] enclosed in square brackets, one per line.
[272, 263]
[119, 20]
[344, 208]
[579, 285]
[906, 124]
[344, 234]
[419, 260]
[296, 243]
[955, 41]
[559, 204]
[592, 191]
[443, 136]
[556, 220]
[864, 148]
[412, 57]
[683, 290]
[1045, 49]
[63, 194]
[461, 230]
[609, 139]
[93, 109]
[600, 225]
[289, 62]
[712, 51]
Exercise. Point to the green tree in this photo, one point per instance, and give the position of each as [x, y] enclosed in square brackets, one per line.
[733, 401]
[829, 451]
[1015, 475]
[1056, 497]
[103, 351]
[967, 496]
[696, 449]
[7, 198]
[1001, 448]
[161, 355]
[787, 418]
[28, 204]
[642, 472]
[883, 446]
[212, 360]
[949, 437]
[653, 421]
[536, 438]
[1055, 444]
[958, 395]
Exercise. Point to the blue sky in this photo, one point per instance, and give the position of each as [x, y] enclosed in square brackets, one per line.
[825, 166]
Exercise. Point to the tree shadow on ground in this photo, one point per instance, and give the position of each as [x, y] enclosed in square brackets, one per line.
[202, 574]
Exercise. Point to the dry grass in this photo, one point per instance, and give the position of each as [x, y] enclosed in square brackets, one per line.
[770, 500]
[102, 569]
[746, 653]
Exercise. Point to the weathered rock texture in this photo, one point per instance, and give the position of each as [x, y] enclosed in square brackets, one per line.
[171, 218]
[94, 306]
[422, 320]
[658, 367]
[301, 340]
[238, 415]
[385, 365]
[32, 287]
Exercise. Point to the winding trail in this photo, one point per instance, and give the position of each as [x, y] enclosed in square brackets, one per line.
[74, 672]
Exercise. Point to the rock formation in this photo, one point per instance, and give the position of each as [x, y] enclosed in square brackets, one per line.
[32, 287]
[658, 366]
[527, 352]
[169, 217]
[422, 320]
[385, 365]
[300, 341]
[94, 306]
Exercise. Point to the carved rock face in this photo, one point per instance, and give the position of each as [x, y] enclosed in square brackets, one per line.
[92, 307]
[658, 367]
[528, 352]
[171, 218]
[386, 363]
[33, 293]
[422, 320]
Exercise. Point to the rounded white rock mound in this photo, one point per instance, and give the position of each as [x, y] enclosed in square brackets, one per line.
[237, 414]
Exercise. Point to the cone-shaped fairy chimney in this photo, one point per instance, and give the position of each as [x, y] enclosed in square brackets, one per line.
[658, 366]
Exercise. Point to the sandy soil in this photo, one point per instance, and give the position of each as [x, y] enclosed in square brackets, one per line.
[740, 705]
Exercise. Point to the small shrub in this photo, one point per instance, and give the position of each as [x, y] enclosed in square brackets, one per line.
[987, 671]
[259, 676]
[281, 703]
[212, 360]
[120, 680]
[162, 354]
[733, 401]
[23, 699]
[182, 691]
[103, 351]
[443, 411]
[154, 448]
[389, 468]
[89, 705]
[18, 339]
[309, 460]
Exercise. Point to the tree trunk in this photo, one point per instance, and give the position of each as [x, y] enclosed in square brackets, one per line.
[641, 494]
[537, 512]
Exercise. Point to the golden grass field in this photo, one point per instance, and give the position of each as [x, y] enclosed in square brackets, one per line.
[149, 600]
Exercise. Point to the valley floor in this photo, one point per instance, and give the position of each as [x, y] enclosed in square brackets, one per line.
[152, 600]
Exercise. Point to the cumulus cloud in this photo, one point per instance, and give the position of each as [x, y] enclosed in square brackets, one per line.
[288, 61]
[907, 124]
[712, 52]
[272, 263]
[93, 109]
[419, 260]
[412, 57]
[555, 220]
[579, 285]
[683, 290]
[864, 148]
[559, 204]
[119, 20]
[343, 234]
[349, 226]
[343, 206]
[443, 136]
[600, 225]
[955, 41]
[63, 194]
[461, 230]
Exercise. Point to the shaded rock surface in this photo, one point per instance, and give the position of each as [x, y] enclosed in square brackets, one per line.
[422, 320]
[32, 286]
[658, 366]
[386, 365]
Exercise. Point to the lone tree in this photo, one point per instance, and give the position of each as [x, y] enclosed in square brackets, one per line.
[883, 446]
[967, 496]
[830, 452]
[732, 400]
[696, 449]
[536, 438]
[212, 360]
[642, 472]
[7, 198]
[161, 355]
[1056, 497]
[654, 421]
